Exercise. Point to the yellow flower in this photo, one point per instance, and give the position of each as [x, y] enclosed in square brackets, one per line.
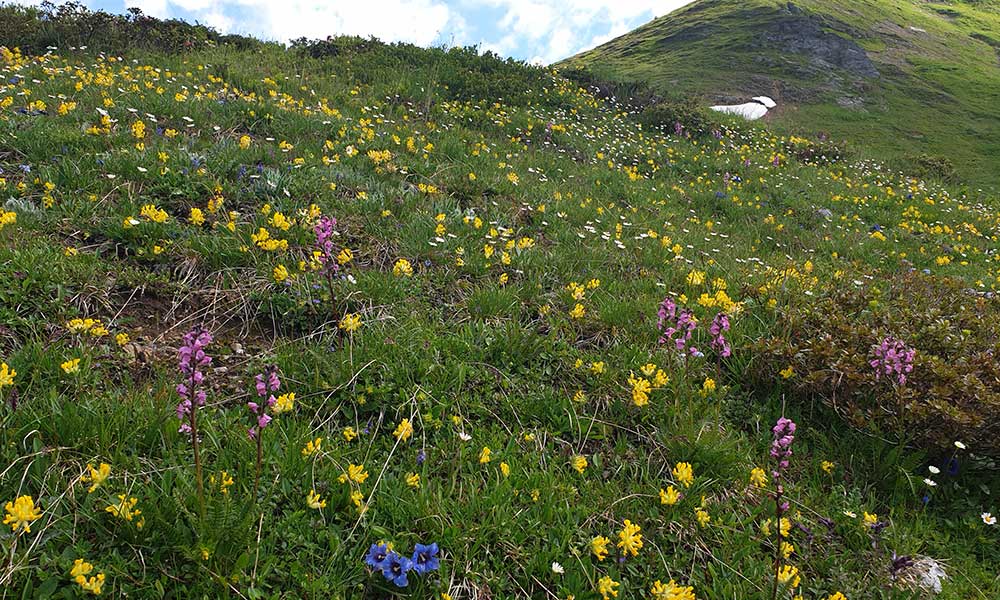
[671, 591]
[197, 217]
[20, 513]
[79, 574]
[154, 214]
[630, 538]
[244, 141]
[313, 500]
[122, 338]
[789, 576]
[578, 312]
[599, 546]
[280, 273]
[225, 481]
[403, 431]
[758, 477]
[96, 476]
[702, 516]
[684, 474]
[670, 496]
[505, 469]
[696, 277]
[345, 256]
[827, 466]
[7, 375]
[125, 509]
[284, 403]
[579, 463]
[71, 366]
[356, 473]
[786, 549]
[312, 447]
[836, 596]
[350, 322]
[640, 390]
[870, 519]
[402, 268]
[349, 433]
[607, 587]
[413, 480]
[787, 373]
[484, 455]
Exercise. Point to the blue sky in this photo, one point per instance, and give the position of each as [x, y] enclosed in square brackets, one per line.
[541, 31]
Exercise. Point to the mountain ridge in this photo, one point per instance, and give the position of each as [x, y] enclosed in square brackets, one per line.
[896, 77]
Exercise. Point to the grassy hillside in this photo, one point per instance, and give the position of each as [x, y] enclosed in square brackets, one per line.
[897, 78]
[474, 292]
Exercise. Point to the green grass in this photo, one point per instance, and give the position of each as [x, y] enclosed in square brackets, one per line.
[934, 94]
[471, 361]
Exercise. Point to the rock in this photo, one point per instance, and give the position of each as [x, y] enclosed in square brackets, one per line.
[811, 37]
[925, 573]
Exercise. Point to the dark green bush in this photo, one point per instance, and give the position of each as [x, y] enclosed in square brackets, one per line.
[692, 116]
[71, 24]
[462, 73]
[953, 392]
[927, 166]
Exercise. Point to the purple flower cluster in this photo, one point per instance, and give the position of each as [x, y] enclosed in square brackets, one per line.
[395, 567]
[266, 383]
[720, 325]
[191, 359]
[676, 326]
[893, 358]
[324, 244]
[781, 450]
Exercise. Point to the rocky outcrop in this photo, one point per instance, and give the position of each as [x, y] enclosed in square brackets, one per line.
[800, 33]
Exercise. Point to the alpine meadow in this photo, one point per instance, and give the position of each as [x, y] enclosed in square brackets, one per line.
[347, 318]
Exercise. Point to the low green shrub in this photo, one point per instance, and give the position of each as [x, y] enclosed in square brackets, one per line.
[953, 391]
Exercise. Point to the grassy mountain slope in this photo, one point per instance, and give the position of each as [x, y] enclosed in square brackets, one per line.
[483, 367]
[896, 77]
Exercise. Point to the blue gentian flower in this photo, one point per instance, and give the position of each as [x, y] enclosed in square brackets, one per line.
[376, 556]
[396, 567]
[425, 558]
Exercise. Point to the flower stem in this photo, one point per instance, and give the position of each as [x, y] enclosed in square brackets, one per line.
[260, 459]
[197, 451]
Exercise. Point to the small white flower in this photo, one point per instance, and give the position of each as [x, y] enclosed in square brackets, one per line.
[464, 436]
[934, 470]
[930, 481]
[989, 519]
[851, 514]
[558, 568]
[960, 445]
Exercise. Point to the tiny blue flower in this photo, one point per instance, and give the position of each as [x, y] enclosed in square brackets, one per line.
[395, 569]
[425, 558]
[376, 556]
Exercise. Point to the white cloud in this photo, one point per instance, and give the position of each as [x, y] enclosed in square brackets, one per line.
[416, 21]
[543, 31]
[556, 29]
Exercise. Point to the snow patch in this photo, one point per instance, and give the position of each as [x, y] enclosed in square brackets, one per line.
[750, 111]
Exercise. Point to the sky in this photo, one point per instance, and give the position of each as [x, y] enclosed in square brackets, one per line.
[537, 31]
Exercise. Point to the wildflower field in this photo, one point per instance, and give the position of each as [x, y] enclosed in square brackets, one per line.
[356, 320]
